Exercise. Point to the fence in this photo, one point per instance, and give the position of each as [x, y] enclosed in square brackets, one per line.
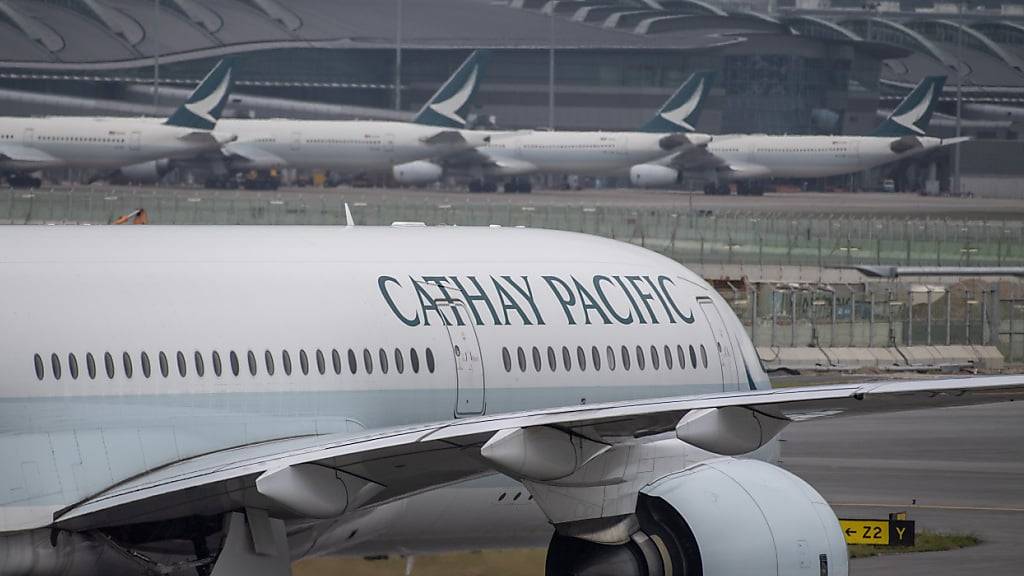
[883, 315]
[695, 237]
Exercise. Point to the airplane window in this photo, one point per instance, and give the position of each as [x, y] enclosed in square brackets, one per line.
[681, 355]
[399, 361]
[367, 361]
[233, 358]
[303, 362]
[430, 360]
[39, 366]
[216, 363]
[668, 357]
[383, 355]
[55, 363]
[336, 361]
[552, 359]
[321, 365]
[353, 366]
[506, 359]
[126, 359]
[90, 365]
[566, 359]
[693, 356]
[625, 358]
[286, 362]
[147, 369]
[108, 363]
[414, 359]
[182, 368]
[521, 356]
[655, 363]
[268, 359]
[197, 359]
[595, 356]
[251, 358]
[703, 356]
[73, 366]
[609, 354]
[581, 358]
[537, 363]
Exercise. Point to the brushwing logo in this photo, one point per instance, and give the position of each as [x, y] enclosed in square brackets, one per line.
[449, 108]
[910, 118]
[204, 107]
[680, 114]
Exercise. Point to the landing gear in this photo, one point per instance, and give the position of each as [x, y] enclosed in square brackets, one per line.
[712, 189]
[23, 181]
[518, 185]
[483, 186]
[750, 189]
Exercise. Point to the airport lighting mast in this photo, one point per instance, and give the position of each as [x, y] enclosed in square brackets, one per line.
[957, 184]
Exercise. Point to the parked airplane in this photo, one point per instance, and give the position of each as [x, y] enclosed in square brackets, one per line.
[291, 392]
[104, 143]
[355, 147]
[744, 157]
[513, 155]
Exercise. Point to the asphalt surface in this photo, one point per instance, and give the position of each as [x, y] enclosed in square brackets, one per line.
[952, 470]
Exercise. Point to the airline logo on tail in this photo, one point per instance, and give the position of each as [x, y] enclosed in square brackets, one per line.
[682, 110]
[204, 106]
[912, 116]
[449, 105]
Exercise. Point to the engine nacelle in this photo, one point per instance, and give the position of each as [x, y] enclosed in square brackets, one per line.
[653, 176]
[417, 173]
[143, 172]
[719, 517]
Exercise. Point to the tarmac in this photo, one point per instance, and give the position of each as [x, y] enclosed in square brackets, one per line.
[953, 470]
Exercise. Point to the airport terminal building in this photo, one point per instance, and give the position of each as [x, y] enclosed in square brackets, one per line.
[792, 67]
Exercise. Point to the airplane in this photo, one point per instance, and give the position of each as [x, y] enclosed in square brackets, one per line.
[287, 392]
[513, 155]
[107, 143]
[354, 146]
[746, 157]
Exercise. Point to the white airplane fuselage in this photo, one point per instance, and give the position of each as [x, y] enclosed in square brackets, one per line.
[129, 348]
[571, 152]
[98, 142]
[762, 156]
[345, 146]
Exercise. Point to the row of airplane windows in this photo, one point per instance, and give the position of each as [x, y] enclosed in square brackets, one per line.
[610, 358]
[570, 146]
[383, 358]
[787, 150]
[341, 141]
[79, 139]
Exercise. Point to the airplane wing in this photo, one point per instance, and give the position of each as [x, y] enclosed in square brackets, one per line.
[27, 155]
[248, 154]
[301, 475]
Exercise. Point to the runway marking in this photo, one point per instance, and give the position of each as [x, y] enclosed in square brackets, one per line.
[930, 507]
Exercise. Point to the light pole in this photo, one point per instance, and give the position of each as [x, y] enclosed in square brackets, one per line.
[156, 57]
[957, 184]
[398, 56]
[551, 71]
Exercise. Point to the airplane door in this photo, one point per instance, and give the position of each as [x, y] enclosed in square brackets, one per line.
[296, 142]
[727, 355]
[28, 136]
[469, 366]
[134, 140]
[389, 147]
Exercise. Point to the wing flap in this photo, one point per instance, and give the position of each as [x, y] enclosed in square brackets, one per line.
[27, 155]
[408, 460]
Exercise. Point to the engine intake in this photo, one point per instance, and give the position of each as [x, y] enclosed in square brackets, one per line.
[417, 173]
[653, 176]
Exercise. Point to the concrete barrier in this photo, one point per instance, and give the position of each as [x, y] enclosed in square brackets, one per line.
[908, 357]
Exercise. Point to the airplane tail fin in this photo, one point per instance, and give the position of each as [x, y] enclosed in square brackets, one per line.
[203, 107]
[682, 109]
[913, 114]
[448, 106]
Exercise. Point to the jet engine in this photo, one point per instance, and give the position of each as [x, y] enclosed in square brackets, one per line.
[144, 172]
[653, 176]
[719, 517]
[417, 173]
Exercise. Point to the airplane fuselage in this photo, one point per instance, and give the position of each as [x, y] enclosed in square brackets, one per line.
[761, 156]
[224, 336]
[96, 142]
[345, 146]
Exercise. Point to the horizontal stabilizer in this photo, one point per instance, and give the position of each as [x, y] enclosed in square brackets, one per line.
[956, 140]
[905, 144]
[679, 140]
[445, 138]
